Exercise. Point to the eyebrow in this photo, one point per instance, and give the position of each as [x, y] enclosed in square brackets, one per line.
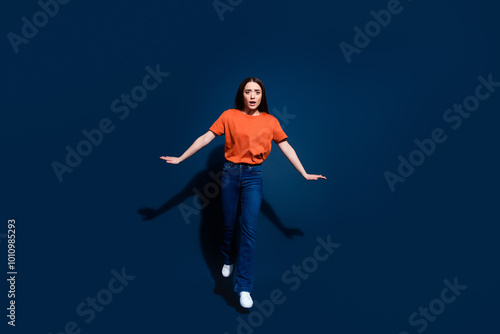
[257, 90]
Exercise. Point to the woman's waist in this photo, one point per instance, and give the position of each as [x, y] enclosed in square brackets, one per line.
[242, 163]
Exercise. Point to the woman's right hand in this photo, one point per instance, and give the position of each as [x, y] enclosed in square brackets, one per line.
[171, 160]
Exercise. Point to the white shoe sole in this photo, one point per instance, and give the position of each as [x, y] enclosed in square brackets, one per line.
[246, 302]
[226, 272]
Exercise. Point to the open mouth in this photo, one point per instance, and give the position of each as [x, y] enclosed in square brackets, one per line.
[252, 103]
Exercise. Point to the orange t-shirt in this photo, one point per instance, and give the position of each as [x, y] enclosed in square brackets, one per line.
[248, 138]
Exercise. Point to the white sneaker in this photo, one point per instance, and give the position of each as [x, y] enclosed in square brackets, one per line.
[227, 269]
[245, 299]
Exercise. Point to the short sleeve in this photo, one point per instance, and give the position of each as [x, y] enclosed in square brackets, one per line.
[278, 133]
[219, 125]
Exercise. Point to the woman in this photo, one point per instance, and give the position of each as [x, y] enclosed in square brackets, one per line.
[249, 131]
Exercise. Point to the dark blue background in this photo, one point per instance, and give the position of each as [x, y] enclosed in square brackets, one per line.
[352, 122]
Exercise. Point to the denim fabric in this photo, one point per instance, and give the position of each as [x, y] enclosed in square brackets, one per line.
[241, 182]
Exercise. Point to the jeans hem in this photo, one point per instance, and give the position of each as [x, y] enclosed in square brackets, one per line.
[242, 288]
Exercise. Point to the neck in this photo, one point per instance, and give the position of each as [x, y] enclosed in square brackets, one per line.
[254, 112]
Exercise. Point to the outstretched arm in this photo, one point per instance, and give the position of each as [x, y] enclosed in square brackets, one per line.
[289, 152]
[198, 144]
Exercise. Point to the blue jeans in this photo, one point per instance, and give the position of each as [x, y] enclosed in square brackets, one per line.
[241, 182]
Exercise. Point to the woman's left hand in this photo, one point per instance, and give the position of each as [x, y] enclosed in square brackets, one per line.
[310, 177]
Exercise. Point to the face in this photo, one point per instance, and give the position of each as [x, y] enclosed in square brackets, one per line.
[252, 94]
